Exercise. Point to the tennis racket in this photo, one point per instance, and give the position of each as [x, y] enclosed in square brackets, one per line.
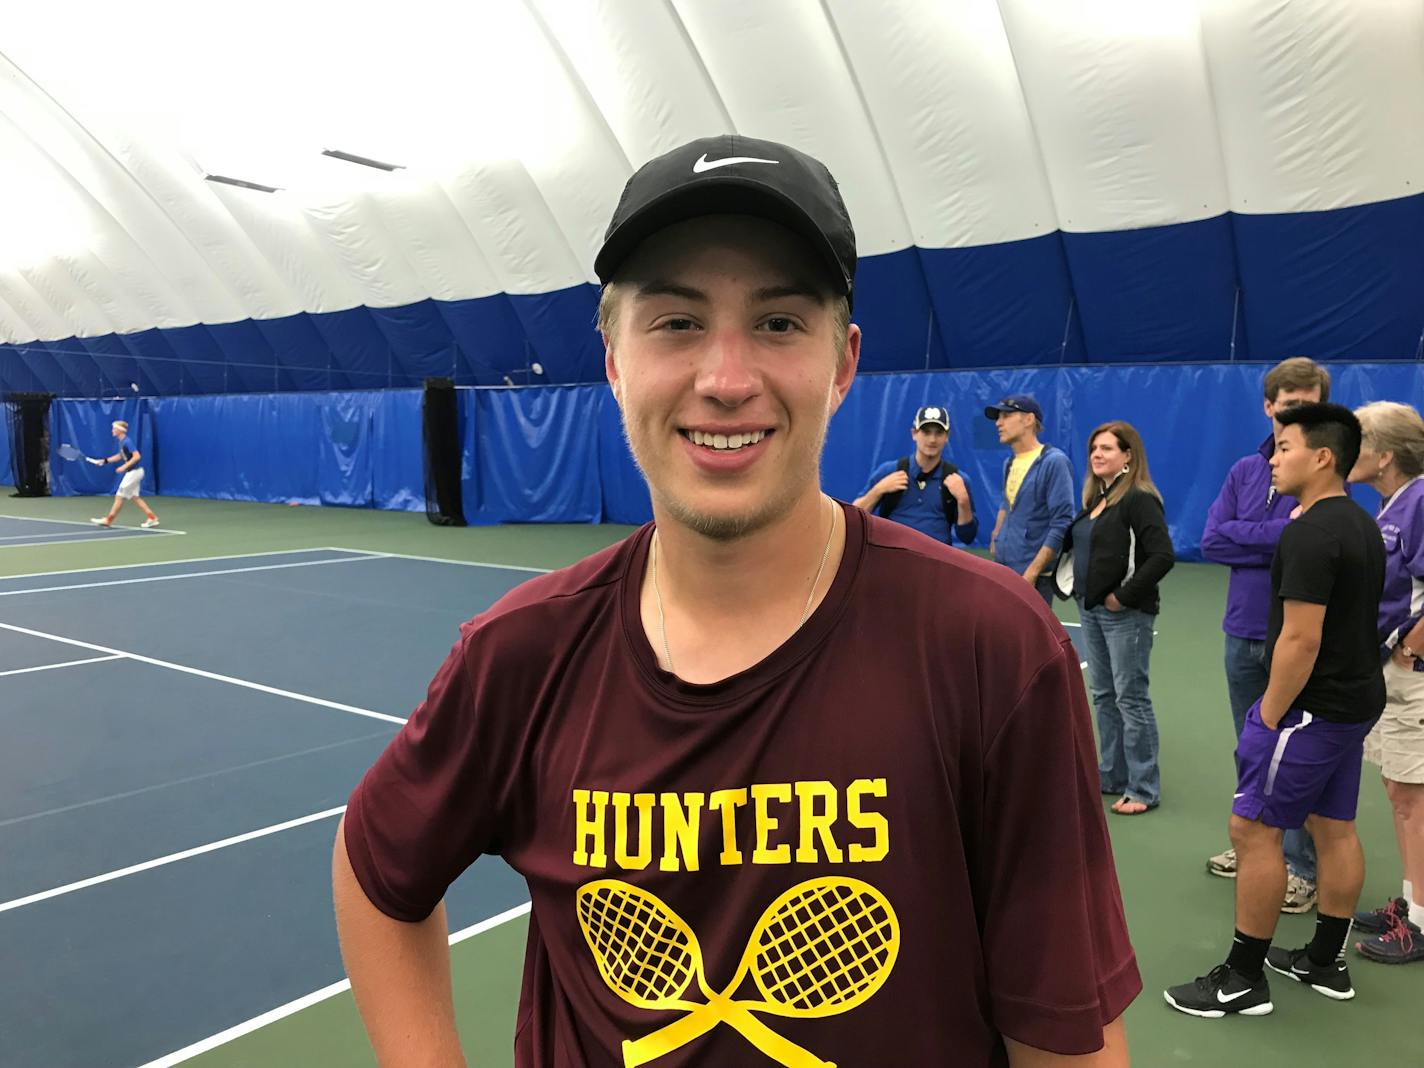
[69, 452]
[822, 948]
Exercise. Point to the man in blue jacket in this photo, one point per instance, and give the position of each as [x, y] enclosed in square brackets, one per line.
[1243, 526]
[1039, 502]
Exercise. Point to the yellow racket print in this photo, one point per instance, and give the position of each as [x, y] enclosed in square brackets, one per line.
[822, 948]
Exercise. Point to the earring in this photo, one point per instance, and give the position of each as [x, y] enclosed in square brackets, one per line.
[1125, 468]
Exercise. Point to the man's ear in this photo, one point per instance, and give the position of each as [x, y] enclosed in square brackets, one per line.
[610, 369]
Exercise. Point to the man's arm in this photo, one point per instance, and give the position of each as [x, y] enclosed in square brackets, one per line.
[998, 525]
[400, 974]
[966, 527]
[894, 482]
[1040, 564]
[1238, 542]
[1112, 1055]
[1292, 659]
[1058, 491]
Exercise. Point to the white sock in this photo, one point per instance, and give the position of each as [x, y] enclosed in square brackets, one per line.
[1416, 915]
[1408, 894]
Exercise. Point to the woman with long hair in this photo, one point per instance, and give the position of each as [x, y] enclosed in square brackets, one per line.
[1392, 461]
[1116, 552]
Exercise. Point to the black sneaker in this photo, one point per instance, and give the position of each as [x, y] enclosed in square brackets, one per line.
[1381, 919]
[1221, 992]
[1332, 980]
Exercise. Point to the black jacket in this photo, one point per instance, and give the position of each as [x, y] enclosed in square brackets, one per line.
[1129, 553]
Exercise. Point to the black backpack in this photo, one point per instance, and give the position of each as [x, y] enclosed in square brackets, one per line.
[891, 501]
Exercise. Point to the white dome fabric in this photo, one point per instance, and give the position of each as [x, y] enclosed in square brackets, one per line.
[1032, 181]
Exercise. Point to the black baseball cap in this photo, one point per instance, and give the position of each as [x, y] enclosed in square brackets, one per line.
[932, 416]
[1018, 402]
[734, 175]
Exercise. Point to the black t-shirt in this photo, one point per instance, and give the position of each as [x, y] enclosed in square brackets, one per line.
[1333, 555]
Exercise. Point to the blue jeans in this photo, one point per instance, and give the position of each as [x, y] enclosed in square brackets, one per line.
[1119, 647]
[1246, 679]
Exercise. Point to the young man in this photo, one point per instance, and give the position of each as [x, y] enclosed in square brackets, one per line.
[937, 491]
[1039, 500]
[773, 802]
[1243, 526]
[1298, 759]
[127, 458]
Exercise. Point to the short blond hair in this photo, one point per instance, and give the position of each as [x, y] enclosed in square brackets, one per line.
[1388, 426]
[121, 425]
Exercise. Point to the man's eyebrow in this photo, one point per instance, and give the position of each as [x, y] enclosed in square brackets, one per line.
[793, 289]
[658, 287]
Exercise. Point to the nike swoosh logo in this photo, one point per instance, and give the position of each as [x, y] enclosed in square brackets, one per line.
[1227, 999]
[705, 164]
[1235, 796]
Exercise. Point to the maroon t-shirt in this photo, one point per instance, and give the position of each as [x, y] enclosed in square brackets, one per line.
[884, 841]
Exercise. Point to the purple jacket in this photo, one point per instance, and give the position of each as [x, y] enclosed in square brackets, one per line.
[1401, 523]
[1243, 525]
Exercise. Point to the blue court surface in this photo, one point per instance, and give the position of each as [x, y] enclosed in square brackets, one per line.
[16, 531]
[179, 741]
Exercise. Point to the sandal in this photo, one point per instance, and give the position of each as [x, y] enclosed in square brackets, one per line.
[1126, 806]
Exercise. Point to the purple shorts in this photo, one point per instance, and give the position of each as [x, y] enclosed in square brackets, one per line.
[1307, 766]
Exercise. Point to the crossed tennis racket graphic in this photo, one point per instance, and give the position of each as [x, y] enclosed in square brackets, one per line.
[822, 948]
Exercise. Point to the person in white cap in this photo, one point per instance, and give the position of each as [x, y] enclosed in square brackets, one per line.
[924, 490]
[127, 458]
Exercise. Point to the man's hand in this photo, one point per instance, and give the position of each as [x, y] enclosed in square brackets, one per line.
[1401, 658]
[1112, 604]
[955, 484]
[1270, 720]
[894, 482]
[1031, 577]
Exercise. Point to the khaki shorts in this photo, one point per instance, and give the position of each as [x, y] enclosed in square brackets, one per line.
[133, 479]
[1397, 742]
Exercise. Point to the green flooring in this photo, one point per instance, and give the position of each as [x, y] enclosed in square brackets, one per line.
[1179, 916]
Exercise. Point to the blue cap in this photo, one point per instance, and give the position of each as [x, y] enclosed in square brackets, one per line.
[932, 416]
[1018, 402]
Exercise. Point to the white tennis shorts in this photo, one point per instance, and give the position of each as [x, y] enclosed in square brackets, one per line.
[1397, 742]
[128, 488]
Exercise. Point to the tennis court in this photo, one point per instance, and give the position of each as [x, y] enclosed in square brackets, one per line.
[185, 717]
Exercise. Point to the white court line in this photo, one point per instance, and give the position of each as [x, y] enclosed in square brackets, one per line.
[67, 663]
[187, 575]
[93, 532]
[56, 539]
[314, 998]
[37, 519]
[207, 674]
[134, 869]
[443, 560]
[166, 563]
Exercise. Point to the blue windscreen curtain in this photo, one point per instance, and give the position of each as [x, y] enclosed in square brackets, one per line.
[558, 454]
[358, 449]
[7, 461]
[86, 426]
[531, 455]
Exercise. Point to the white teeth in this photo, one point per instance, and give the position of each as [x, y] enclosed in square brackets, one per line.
[726, 442]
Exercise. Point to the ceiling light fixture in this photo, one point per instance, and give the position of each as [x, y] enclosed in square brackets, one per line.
[241, 183]
[364, 161]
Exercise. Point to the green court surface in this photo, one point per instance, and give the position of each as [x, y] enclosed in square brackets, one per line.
[1180, 917]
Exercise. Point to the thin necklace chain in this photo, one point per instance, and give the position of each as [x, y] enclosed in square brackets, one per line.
[805, 612]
